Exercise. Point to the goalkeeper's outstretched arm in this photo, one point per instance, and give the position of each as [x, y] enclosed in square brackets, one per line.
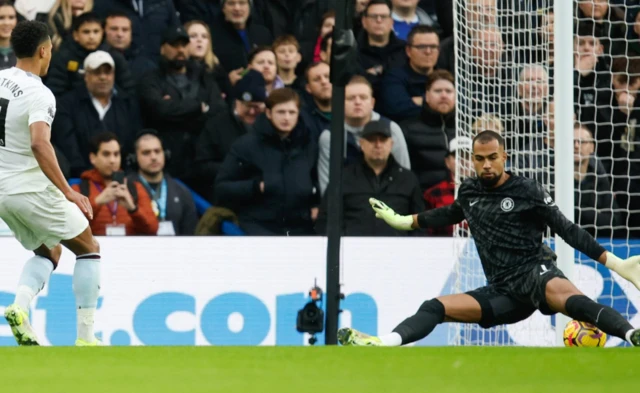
[434, 218]
[582, 241]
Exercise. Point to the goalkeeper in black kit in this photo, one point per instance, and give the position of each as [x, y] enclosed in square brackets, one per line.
[507, 216]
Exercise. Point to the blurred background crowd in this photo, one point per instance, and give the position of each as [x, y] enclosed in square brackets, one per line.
[219, 110]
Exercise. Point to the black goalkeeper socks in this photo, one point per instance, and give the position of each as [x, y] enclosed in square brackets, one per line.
[418, 326]
[581, 308]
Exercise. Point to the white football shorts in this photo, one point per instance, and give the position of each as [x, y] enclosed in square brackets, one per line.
[38, 218]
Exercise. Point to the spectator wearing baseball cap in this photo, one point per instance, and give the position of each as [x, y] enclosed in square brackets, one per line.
[177, 99]
[67, 64]
[93, 107]
[375, 175]
[248, 98]
[443, 193]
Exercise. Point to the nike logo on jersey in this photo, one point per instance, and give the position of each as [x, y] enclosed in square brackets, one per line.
[544, 270]
[474, 202]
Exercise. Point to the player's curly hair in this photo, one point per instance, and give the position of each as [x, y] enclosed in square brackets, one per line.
[27, 36]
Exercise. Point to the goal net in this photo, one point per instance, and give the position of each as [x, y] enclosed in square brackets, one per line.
[504, 78]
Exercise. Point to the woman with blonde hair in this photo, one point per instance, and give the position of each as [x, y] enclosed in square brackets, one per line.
[61, 18]
[201, 50]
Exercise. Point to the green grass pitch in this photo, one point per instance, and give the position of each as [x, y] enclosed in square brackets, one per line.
[318, 370]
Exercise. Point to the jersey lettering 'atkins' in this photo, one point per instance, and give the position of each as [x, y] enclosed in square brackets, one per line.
[12, 86]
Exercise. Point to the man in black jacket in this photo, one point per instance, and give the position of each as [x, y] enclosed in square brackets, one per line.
[96, 106]
[171, 201]
[269, 177]
[222, 130]
[177, 99]
[378, 47]
[376, 175]
[235, 34]
[118, 36]
[65, 72]
[151, 18]
[429, 133]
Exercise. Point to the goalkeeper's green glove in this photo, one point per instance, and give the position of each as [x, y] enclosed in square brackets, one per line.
[629, 269]
[396, 221]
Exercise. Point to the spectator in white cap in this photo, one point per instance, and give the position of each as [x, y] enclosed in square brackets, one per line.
[457, 160]
[95, 106]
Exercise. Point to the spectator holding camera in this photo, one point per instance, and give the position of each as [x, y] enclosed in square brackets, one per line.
[269, 178]
[120, 207]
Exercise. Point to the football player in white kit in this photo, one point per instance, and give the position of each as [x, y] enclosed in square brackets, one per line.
[36, 201]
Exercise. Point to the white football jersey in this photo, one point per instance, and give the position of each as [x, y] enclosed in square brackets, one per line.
[24, 100]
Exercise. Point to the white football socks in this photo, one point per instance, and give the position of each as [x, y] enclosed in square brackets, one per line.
[86, 287]
[391, 340]
[86, 318]
[35, 275]
[627, 336]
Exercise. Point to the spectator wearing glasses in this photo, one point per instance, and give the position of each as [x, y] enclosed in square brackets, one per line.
[379, 48]
[402, 88]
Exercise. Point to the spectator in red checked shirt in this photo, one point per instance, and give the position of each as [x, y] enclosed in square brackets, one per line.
[443, 193]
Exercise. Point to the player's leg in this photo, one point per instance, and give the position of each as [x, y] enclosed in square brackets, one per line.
[35, 275]
[484, 306]
[86, 283]
[562, 296]
[450, 308]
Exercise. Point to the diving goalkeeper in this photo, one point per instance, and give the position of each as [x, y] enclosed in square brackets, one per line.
[507, 216]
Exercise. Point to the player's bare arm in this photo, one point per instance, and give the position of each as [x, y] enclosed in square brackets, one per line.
[45, 155]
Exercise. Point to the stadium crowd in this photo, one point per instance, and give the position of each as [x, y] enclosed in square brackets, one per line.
[230, 100]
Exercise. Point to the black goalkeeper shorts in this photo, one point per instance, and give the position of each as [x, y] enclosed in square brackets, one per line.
[516, 299]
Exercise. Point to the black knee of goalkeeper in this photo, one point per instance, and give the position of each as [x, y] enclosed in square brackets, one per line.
[434, 307]
[576, 303]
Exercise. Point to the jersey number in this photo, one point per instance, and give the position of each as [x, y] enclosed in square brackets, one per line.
[4, 105]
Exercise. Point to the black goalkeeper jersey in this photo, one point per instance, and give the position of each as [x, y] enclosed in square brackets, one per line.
[508, 223]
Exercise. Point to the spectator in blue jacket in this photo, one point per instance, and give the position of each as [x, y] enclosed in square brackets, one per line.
[402, 89]
[269, 177]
